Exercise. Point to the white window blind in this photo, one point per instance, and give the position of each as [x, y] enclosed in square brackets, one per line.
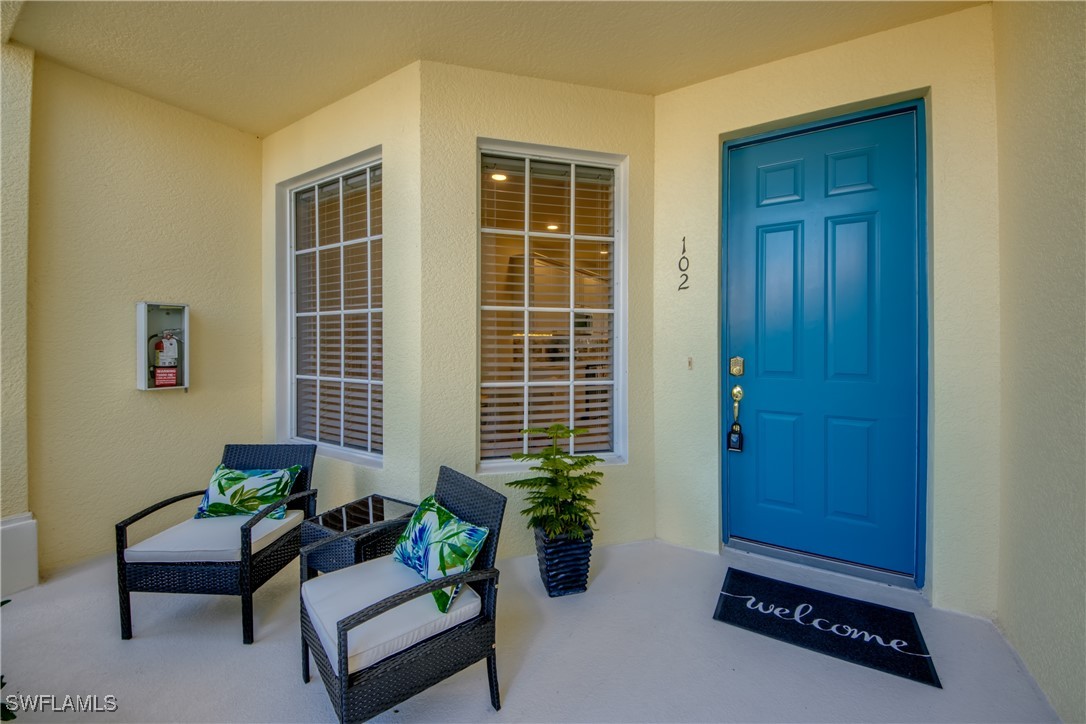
[547, 335]
[336, 244]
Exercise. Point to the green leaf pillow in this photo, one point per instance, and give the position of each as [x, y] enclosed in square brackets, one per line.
[437, 544]
[246, 492]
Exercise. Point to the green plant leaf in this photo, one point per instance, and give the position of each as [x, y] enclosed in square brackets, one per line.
[225, 478]
[218, 509]
[443, 516]
[556, 498]
[443, 600]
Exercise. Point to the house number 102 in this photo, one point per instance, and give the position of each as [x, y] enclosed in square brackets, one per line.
[684, 266]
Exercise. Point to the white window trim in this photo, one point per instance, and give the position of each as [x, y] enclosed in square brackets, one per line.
[284, 306]
[621, 165]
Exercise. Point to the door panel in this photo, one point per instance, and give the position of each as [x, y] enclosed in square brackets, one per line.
[822, 301]
[778, 312]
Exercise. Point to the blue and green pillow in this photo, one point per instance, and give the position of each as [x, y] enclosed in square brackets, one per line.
[436, 544]
[246, 492]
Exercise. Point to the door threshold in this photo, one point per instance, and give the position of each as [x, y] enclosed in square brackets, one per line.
[877, 575]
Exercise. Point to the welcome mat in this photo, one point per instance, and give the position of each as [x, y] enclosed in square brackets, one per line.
[864, 633]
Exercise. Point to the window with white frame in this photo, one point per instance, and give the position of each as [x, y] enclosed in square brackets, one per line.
[548, 315]
[336, 311]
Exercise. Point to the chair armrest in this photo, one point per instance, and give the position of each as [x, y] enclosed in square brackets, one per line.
[158, 506]
[356, 619]
[361, 531]
[122, 527]
[344, 625]
[247, 528]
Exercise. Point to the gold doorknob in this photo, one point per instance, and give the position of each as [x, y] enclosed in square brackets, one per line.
[737, 395]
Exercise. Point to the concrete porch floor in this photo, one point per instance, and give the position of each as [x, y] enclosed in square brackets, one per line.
[640, 646]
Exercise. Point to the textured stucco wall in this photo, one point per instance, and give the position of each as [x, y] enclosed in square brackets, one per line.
[17, 69]
[950, 60]
[1041, 90]
[460, 106]
[427, 119]
[385, 114]
[131, 200]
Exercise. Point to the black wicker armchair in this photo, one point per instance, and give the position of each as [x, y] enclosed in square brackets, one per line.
[367, 670]
[237, 566]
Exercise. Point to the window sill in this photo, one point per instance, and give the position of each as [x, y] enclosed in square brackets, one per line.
[505, 465]
[355, 457]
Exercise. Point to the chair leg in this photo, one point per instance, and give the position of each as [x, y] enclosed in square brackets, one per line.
[305, 661]
[492, 674]
[247, 617]
[125, 599]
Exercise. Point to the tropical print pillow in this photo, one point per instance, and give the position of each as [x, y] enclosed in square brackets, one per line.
[246, 492]
[437, 544]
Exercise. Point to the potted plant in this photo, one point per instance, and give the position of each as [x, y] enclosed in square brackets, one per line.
[560, 510]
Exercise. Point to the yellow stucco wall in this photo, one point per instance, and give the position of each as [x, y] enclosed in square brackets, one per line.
[1041, 89]
[950, 61]
[131, 199]
[460, 106]
[385, 115]
[17, 69]
[427, 118]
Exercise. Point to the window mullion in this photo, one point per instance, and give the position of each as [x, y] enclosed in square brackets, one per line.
[317, 286]
[369, 314]
[572, 293]
[527, 295]
[292, 312]
[524, 438]
[342, 321]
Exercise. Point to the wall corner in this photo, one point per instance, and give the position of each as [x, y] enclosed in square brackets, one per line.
[18, 553]
[17, 69]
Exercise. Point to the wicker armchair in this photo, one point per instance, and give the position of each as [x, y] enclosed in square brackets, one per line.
[363, 677]
[235, 566]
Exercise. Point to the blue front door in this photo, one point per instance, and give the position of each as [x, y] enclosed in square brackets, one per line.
[824, 303]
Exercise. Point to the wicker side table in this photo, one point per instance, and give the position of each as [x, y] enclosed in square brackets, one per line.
[375, 522]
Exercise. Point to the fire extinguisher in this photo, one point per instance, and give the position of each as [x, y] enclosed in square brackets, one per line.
[166, 351]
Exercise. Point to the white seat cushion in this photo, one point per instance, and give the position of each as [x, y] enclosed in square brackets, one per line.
[209, 539]
[335, 596]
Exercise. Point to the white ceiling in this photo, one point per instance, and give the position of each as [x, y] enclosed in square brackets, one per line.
[259, 66]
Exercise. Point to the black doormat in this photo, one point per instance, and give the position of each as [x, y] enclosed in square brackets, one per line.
[864, 633]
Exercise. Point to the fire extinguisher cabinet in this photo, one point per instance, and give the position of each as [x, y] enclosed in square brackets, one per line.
[162, 346]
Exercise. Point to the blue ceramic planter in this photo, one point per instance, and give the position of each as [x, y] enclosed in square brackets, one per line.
[563, 562]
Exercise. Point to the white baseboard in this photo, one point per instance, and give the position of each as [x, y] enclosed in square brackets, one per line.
[18, 553]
